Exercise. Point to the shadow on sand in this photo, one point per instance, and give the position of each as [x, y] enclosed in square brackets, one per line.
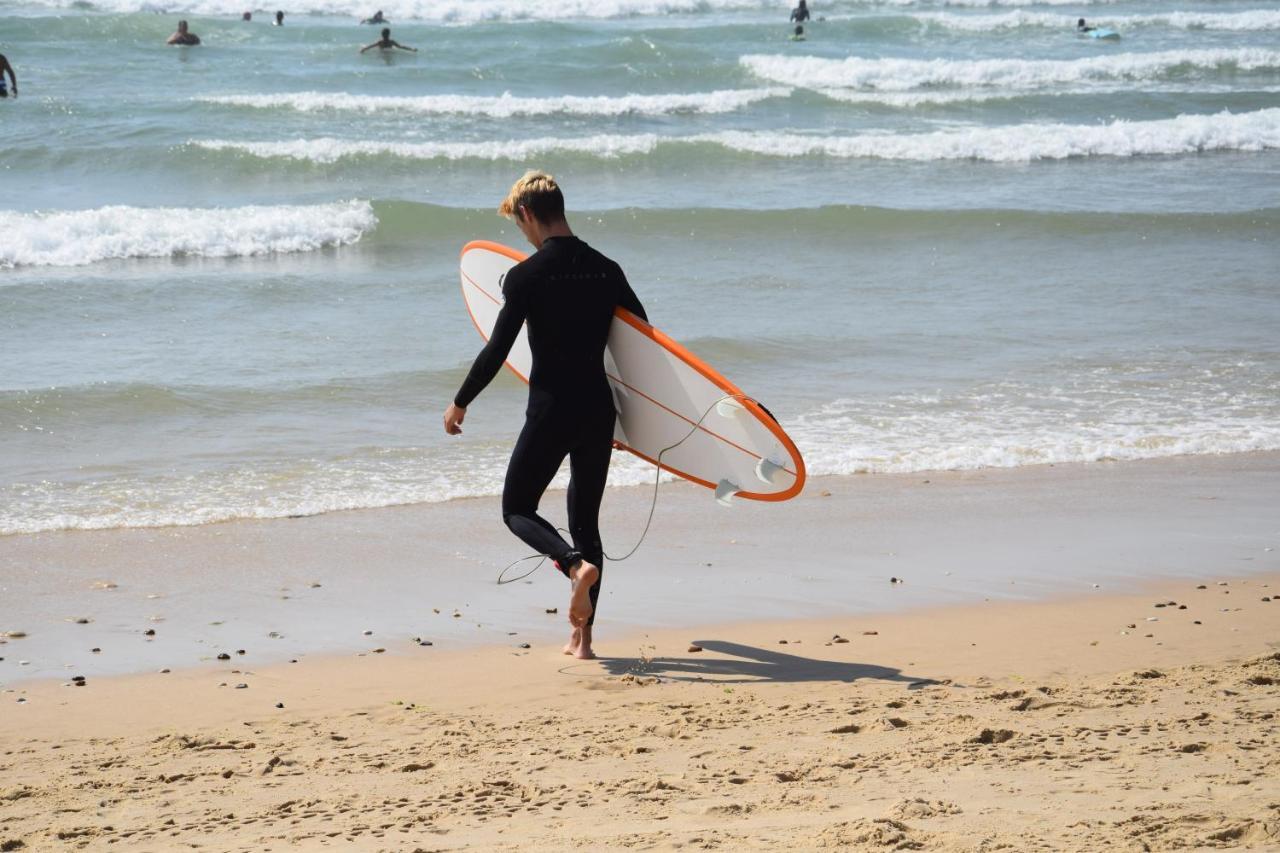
[748, 664]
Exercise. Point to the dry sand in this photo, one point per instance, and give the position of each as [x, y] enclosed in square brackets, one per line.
[1069, 725]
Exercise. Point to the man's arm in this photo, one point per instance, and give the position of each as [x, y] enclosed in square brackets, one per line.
[628, 299]
[370, 46]
[490, 359]
[13, 78]
[403, 47]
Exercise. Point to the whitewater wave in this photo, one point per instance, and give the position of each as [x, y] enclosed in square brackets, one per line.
[1186, 134]
[440, 11]
[507, 105]
[900, 75]
[1254, 20]
[78, 237]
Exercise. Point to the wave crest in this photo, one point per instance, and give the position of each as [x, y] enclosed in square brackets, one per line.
[78, 237]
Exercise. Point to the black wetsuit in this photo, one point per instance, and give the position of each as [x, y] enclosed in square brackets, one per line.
[800, 14]
[566, 292]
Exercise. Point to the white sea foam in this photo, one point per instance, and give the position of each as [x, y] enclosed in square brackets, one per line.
[77, 237]
[443, 11]
[1252, 20]
[328, 150]
[900, 75]
[1186, 134]
[507, 105]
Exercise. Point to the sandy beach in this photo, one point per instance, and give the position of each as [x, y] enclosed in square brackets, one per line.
[1020, 694]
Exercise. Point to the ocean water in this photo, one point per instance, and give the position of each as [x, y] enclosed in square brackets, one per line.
[933, 235]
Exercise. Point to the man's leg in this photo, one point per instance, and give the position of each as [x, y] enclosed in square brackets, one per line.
[589, 472]
[537, 456]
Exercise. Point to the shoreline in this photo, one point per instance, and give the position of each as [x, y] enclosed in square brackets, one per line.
[283, 589]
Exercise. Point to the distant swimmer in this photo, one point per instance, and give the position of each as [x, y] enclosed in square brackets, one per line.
[279, 19]
[800, 14]
[387, 43]
[375, 19]
[6, 68]
[247, 16]
[1082, 28]
[798, 35]
[183, 36]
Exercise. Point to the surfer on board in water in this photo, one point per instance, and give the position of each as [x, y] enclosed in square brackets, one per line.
[566, 293]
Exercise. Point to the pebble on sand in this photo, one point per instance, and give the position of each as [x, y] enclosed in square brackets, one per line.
[150, 632]
[694, 648]
[242, 686]
[870, 633]
[553, 609]
[14, 635]
[281, 704]
[224, 656]
[838, 639]
[524, 645]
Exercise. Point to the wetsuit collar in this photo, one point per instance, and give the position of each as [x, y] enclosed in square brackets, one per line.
[547, 242]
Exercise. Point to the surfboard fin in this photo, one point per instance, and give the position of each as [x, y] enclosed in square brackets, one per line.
[729, 407]
[767, 470]
[725, 491]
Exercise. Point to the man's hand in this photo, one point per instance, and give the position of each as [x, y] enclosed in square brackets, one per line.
[453, 419]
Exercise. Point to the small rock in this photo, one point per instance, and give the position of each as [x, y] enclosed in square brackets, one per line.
[242, 686]
[82, 620]
[824, 494]
[782, 642]
[1266, 598]
[692, 648]
[315, 585]
[1182, 607]
[523, 646]
[281, 704]
[368, 633]
[164, 671]
[1197, 622]
[1152, 619]
[1160, 604]
[553, 609]
[14, 635]
[1202, 586]
[424, 642]
[240, 651]
[96, 650]
[838, 639]
[379, 650]
[896, 580]
[150, 632]
[1222, 583]
[870, 633]
[224, 656]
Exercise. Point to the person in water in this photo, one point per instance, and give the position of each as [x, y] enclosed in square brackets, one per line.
[566, 293]
[247, 16]
[798, 35]
[387, 43]
[279, 19]
[183, 36]
[6, 68]
[1081, 28]
[375, 19]
[800, 14]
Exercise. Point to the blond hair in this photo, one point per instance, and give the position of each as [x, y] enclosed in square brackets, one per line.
[539, 194]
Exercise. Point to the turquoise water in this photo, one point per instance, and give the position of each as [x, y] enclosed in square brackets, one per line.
[931, 236]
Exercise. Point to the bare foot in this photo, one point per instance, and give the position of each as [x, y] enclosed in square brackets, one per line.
[575, 640]
[583, 651]
[583, 578]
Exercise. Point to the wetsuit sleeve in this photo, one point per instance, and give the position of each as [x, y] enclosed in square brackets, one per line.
[487, 364]
[627, 298]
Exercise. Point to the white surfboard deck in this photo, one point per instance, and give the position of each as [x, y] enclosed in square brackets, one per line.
[662, 392]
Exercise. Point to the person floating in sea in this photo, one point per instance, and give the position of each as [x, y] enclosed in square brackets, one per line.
[247, 16]
[798, 35]
[6, 68]
[376, 18]
[1082, 28]
[800, 14]
[566, 293]
[183, 36]
[279, 19]
[387, 43]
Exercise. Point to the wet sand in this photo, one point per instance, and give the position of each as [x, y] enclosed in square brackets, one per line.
[294, 588]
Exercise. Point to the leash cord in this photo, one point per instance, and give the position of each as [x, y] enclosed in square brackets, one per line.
[653, 503]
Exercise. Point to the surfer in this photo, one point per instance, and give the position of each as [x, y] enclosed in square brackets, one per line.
[387, 43]
[566, 292]
[1081, 28]
[183, 36]
[6, 68]
[279, 19]
[800, 14]
[376, 18]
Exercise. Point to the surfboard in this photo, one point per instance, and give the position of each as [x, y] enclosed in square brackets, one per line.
[1103, 33]
[665, 395]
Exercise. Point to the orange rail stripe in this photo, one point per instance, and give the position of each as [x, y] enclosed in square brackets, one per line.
[688, 357]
